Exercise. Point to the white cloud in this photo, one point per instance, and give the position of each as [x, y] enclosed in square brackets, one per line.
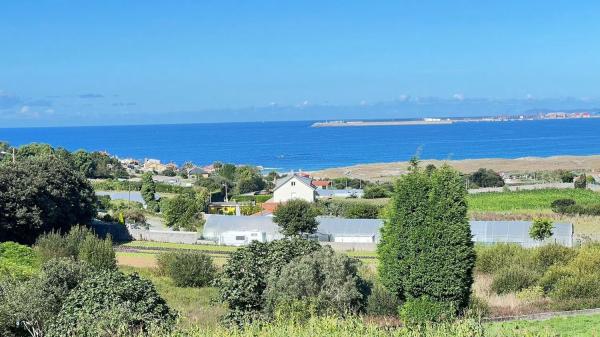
[24, 109]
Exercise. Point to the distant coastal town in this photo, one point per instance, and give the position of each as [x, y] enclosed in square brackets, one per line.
[556, 115]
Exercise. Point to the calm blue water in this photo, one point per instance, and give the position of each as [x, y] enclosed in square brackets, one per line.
[295, 145]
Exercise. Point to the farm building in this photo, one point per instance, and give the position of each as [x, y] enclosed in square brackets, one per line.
[348, 193]
[241, 230]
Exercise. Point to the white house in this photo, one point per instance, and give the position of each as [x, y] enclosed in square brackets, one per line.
[294, 187]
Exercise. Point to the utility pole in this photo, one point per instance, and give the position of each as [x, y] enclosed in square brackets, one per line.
[13, 156]
[226, 198]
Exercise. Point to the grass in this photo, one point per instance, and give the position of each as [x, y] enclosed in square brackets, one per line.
[197, 306]
[534, 200]
[583, 326]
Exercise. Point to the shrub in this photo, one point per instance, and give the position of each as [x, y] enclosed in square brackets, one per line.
[486, 178]
[426, 247]
[187, 268]
[551, 254]
[109, 302]
[541, 229]
[552, 276]
[492, 258]
[513, 279]
[579, 286]
[81, 244]
[244, 276]
[531, 294]
[477, 308]
[375, 191]
[17, 261]
[424, 310]
[362, 210]
[330, 279]
[44, 296]
[382, 302]
[98, 253]
[561, 205]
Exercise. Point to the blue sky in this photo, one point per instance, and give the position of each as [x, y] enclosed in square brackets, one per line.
[130, 62]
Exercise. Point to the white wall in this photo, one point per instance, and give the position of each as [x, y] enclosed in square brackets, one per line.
[294, 189]
[354, 239]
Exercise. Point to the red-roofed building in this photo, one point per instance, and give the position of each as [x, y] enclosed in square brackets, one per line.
[321, 184]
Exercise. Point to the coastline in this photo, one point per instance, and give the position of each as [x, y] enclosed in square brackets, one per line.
[387, 171]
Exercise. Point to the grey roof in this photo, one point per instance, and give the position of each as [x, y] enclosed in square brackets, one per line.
[349, 227]
[517, 232]
[483, 231]
[346, 192]
[196, 170]
[307, 181]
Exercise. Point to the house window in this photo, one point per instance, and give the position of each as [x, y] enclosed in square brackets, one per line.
[254, 234]
[293, 183]
[240, 238]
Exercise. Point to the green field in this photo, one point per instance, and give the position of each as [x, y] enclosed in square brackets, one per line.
[523, 201]
[580, 326]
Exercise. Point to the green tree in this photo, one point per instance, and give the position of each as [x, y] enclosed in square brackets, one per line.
[566, 176]
[486, 178]
[184, 211]
[581, 182]
[148, 189]
[541, 229]
[296, 217]
[41, 194]
[426, 248]
[362, 210]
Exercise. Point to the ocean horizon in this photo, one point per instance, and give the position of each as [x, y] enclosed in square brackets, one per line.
[295, 145]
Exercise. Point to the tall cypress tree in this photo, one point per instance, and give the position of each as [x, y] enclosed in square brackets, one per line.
[426, 247]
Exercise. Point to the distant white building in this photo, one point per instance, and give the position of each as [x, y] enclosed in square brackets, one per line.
[241, 230]
[294, 186]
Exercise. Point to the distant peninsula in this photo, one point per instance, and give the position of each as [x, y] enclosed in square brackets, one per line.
[441, 121]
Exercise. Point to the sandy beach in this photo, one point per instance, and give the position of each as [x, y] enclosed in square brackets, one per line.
[386, 171]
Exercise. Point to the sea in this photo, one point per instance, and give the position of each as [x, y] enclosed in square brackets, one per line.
[285, 146]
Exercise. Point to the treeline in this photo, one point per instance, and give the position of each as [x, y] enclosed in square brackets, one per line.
[235, 180]
[90, 164]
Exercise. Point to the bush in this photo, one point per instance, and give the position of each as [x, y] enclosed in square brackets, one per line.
[98, 253]
[552, 276]
[491, 259]
[561, 205]
[423, 310]
[477, 308]
[512, 279]
[331, 280]
[382, 302]
[188, 268]
[111, 303]
[531, 294]
[17, 261]
[362, 210]
[375, 191]
[486, 178]
[551, 254]
[244, 276]
[81, 244]
[577, 287]
[44, 296]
